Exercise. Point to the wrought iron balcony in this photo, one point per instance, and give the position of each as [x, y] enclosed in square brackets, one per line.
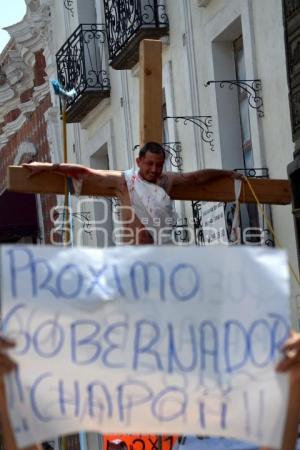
[127, 23]
[82, 65]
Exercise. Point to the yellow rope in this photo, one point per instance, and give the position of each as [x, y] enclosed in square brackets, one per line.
[276, 240]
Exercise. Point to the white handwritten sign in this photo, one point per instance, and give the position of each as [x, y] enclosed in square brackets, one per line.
[146, 340]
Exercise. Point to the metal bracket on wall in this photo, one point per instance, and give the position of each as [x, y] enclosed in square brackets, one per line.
[203, 122]
[251, 88]
[68, 4]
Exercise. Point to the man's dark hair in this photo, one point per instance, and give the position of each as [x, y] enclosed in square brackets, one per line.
[152, 147]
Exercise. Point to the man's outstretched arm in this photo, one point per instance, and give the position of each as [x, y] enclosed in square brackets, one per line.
[102, 180]
[201, 176]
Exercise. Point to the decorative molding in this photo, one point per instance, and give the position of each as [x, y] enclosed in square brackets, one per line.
[47, 4]
[27, 107]
[32, 32]
[40, 92]
[17, 61]
[202, 3]
[25, 148]
[12, 127]
[3, 140]
[14, 77]
[53, 133]
[6, 94]
[11, 105]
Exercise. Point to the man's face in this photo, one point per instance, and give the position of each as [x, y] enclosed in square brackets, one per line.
[151, 166]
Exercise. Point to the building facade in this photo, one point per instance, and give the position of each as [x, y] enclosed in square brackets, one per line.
[27, 126]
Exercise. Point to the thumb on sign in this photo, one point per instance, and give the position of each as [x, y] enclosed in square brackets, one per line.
[6, 366]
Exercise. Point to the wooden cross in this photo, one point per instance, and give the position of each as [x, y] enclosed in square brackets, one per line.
[151, 120]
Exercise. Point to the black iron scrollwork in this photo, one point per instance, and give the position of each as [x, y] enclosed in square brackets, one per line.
[203, 122]
[251, 88]
[125, 18]
[81, 63]
[174, 150]
[68, 4]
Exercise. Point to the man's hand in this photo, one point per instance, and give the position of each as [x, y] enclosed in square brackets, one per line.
[7, 365]
[291, 360]
[75, 171]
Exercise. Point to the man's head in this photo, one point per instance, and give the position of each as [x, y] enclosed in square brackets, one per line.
[150, 161]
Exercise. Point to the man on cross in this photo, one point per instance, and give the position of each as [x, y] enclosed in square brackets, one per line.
[146, 206]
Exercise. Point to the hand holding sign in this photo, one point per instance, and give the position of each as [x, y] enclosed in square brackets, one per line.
[6, 363]
[291, 360]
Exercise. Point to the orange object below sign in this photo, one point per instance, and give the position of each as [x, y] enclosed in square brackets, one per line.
[137, 442]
